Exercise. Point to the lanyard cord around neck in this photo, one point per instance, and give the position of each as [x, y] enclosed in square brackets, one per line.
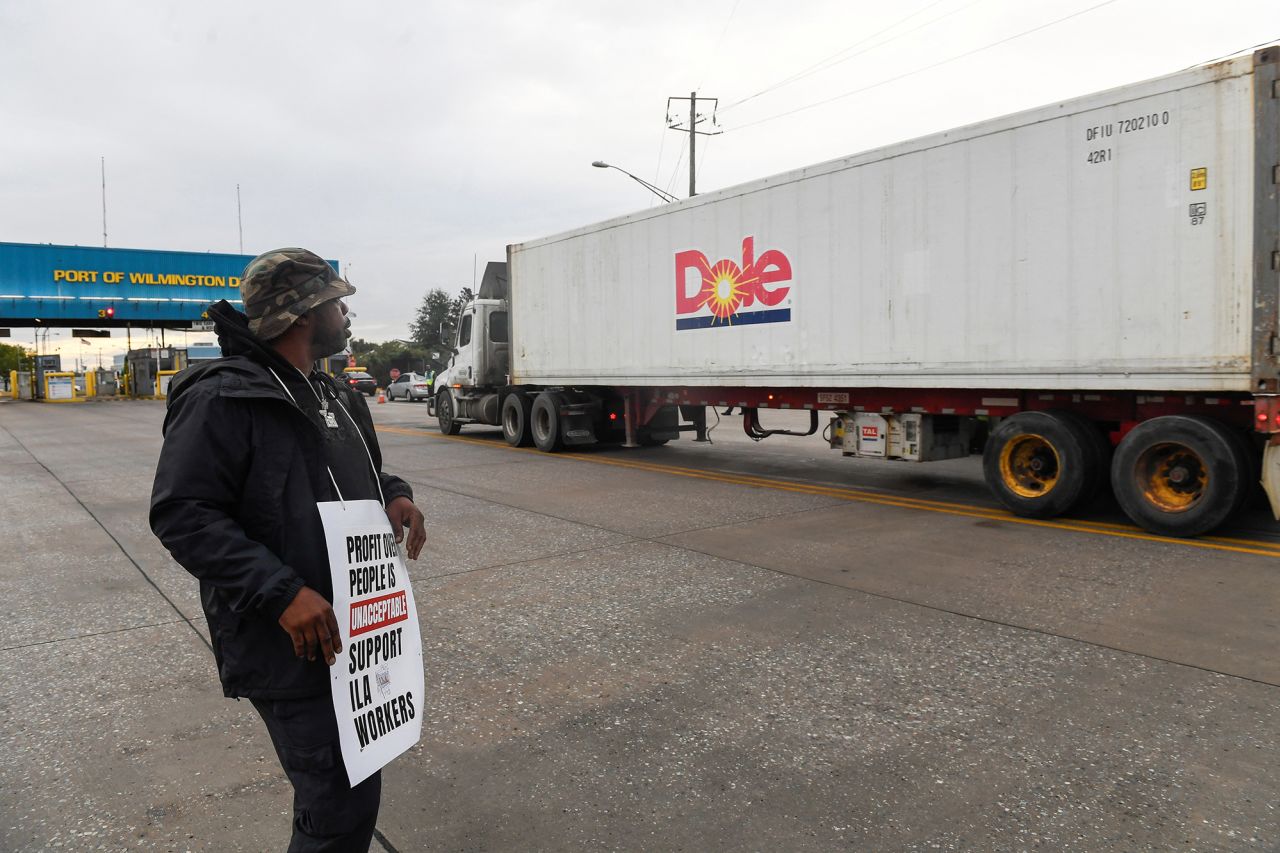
[376, 479]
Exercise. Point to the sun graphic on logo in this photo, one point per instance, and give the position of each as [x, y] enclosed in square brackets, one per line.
[723, 290]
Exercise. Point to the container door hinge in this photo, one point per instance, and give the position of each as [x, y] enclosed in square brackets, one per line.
[1271, 345]
[1275, 88]
[1275, 260]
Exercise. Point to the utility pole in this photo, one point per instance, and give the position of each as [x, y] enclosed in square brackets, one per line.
[104, 201]
[694, 120]
[693, 142]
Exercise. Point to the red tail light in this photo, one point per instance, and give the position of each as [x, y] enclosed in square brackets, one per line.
[1266, 408]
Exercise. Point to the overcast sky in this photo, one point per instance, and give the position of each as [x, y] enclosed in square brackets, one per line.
[408, 138]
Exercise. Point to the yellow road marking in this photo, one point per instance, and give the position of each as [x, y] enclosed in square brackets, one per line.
[1100, 528]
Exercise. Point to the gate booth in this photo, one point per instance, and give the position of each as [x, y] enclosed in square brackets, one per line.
[60, 387]
[49, 383]
[149, 370]
[47, 366]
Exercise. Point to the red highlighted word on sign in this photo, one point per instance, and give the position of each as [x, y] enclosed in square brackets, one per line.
[374, 613]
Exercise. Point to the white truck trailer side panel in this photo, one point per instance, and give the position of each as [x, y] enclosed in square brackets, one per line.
[1060, 248]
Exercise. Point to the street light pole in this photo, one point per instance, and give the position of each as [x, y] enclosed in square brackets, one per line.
[662, 194]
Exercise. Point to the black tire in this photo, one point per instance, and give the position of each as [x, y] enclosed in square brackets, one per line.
[1178, 475]
[1038, 464]
[516, 415]
[1098, 450]
[1250, 464]
[544, 423]
[445, 415]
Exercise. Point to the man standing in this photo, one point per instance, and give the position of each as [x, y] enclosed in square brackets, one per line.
[252, 441]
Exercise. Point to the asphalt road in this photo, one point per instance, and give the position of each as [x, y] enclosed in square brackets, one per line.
[698, 647]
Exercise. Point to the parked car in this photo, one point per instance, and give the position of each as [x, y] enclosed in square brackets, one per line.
[410, 386]
[362, 382]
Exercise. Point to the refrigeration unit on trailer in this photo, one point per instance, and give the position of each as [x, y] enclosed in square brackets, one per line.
[1085, 292]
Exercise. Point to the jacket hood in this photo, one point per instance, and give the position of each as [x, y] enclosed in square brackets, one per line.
[234, 336]
[244, 360]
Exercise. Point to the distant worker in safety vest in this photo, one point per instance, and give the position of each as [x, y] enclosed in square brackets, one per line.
[247, 439]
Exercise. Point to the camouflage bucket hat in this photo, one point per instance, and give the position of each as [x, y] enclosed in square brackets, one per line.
[279, 286]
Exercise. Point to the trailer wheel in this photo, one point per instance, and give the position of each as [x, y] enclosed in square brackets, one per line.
[644, 437]
[445, 415]
[544, 422]
[516, 411]
[1178, 475]
[1038, 464]
[1250, 464]
[1098, 454]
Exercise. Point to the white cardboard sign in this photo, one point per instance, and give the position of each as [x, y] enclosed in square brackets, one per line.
[377, 681]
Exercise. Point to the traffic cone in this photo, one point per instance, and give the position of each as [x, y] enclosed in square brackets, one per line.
[382, 396]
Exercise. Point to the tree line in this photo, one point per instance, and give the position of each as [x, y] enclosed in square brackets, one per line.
[431, 337]
[14, 357]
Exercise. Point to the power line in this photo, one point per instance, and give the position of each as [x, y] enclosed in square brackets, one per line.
[839, 56]
[1234, 53]
[715, 50]
[702, 159]
[657, 172]
[671, 182]
[921, 70]
[662, 147]
[662, 144]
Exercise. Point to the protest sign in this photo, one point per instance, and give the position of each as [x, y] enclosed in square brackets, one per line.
[377, 681]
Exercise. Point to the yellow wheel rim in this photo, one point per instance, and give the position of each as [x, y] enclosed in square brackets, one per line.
[1029, 466]
[1173, 477]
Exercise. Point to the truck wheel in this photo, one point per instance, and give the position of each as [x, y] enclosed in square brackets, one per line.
[544, 423]
[1250, 465]
[644, 437]
[1097, 450]
[1038, 463]
[516, 410]
[1177, 475]
[445, 415]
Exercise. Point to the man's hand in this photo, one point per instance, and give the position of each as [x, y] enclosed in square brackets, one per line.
[402, 513]
[310, 622]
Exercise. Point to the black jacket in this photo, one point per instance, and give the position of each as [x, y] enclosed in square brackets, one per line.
[234, 501]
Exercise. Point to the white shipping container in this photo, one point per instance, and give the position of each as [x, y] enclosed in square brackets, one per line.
[1114, 241]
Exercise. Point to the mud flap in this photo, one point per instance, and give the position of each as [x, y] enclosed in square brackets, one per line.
[577, 422]
[1271, 477]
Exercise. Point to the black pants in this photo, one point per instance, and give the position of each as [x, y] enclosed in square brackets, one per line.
[328, 814]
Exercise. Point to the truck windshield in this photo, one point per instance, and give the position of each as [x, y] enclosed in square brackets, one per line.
[498, 327]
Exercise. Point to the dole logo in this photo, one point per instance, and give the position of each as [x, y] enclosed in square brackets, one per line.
[720, 295]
